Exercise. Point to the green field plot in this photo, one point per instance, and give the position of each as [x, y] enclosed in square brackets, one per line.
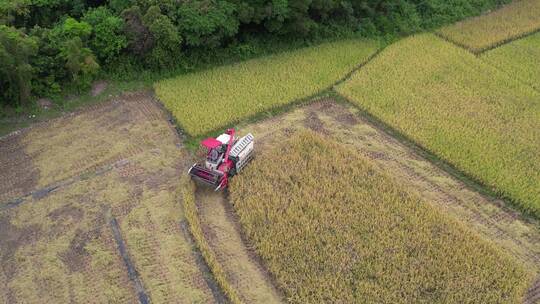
[347, 233]
[460, 108]
[205, 101]
[487, 31]
[521, 59]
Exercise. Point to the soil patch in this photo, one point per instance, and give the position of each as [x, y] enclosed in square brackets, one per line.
[11, 238]
[313, 122]
[18, 175]
[76, 257]
[98, 87]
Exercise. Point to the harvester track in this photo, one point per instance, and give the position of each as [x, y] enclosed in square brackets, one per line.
[244, 271]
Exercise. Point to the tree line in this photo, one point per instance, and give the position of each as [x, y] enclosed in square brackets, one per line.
[46, 45]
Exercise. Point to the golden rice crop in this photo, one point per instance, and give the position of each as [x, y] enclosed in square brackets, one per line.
[467, 112]
[205, 101]
[344, 232]
[487, 31]
[521, 59]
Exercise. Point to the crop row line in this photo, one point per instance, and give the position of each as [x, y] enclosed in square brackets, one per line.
[467, 179]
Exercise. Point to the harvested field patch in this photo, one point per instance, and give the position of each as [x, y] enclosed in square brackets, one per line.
[348, 233]
[468, 113]
[59, 247]
[205, 101]
[512, 21]
[520, 59]
[74, 144]
[240, 267]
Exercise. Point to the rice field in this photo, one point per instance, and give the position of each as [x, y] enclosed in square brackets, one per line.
[520, 59]
[467, 112]
[512, 21]
[347, 233]
[206, 101]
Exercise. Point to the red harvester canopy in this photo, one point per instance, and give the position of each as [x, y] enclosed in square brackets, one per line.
[211, 143]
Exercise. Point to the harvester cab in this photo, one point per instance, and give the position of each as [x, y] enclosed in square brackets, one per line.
[225, 157]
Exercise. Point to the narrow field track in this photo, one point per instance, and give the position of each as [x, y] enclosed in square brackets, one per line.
[223, 234]
[489, 217]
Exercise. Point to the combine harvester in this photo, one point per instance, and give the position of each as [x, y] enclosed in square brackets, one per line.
[225, 157]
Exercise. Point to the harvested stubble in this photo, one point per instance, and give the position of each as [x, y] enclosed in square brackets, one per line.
[344, 232]
[512, 21]
[520, 59]
[190, 209]
[205, 101]
[465, 111]
[60, 248]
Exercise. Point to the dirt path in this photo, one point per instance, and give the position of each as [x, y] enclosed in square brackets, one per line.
[241, 266]
[489, 217]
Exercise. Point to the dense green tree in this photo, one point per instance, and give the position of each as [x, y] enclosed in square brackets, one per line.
[207, 23]
[140, 39]
[107, 39]
[168, 42]
[67, 40]
[79, 61]
[16, 73]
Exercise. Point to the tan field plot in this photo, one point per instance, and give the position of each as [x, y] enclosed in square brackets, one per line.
[517, 19]
[57, 238]
[487, 217]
